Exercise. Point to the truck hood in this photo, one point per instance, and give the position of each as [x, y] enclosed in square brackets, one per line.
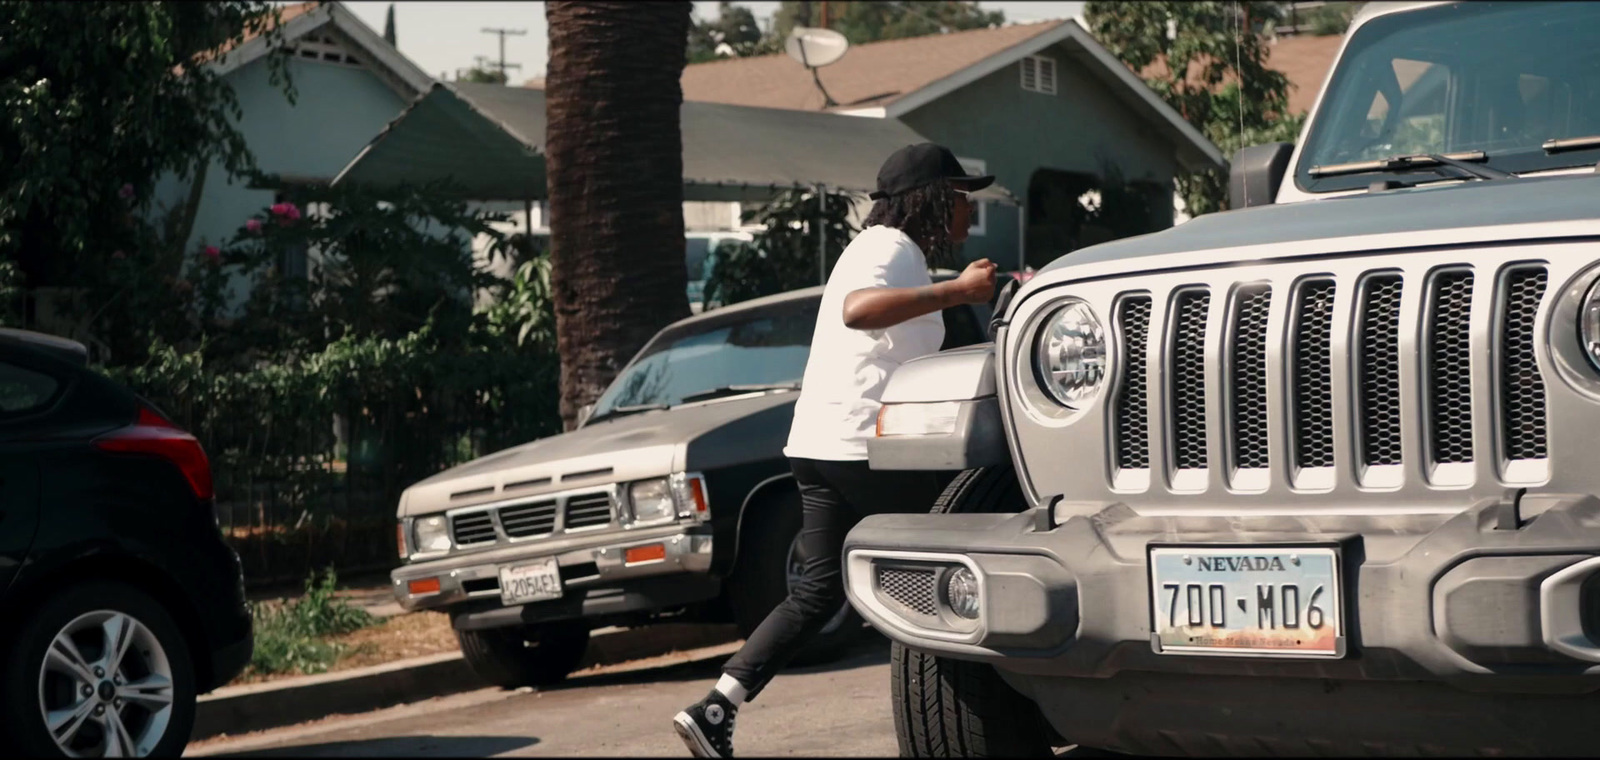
[1470, 212]
[688, 438]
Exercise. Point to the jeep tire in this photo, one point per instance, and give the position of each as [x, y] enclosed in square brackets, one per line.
[761, 579]
[517, 656]
[954, 708]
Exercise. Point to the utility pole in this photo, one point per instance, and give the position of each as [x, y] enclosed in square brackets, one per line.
[502, 66]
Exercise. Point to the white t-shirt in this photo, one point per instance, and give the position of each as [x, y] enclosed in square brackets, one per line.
[845, 375]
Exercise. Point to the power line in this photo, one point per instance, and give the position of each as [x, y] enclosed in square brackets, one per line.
[502, 66]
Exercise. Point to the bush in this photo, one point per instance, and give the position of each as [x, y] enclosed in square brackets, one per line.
[292, 637]
[784, 255]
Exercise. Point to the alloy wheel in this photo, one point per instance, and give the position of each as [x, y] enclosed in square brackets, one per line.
[105, 687]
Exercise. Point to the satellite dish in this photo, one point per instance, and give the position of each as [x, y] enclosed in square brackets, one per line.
[815, 48]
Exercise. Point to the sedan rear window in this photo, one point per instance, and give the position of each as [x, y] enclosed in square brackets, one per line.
[23, 390]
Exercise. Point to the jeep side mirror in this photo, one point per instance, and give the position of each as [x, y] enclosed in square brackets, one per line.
[1256, 173]
[584, 412]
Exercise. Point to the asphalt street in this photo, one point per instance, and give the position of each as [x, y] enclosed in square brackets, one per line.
[840, 709]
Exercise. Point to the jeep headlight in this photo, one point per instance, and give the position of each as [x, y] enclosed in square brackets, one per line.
[1069, 355]
[652, 502]
[432, 533]
[1589, 324]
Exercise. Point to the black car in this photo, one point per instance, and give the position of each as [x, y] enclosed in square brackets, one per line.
[119, 600]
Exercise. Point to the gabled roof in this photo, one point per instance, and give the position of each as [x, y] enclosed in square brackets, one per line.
[874, 74]
[395, 69]
[894, 77]
[490, 140]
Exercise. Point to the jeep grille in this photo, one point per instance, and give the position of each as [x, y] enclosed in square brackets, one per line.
[1386, 310]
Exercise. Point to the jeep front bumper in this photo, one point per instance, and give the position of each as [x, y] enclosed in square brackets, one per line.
[1426, 597]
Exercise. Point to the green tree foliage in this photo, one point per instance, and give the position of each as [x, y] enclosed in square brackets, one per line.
[480, 75]
[873, 20]
[783, 256]
[1216, 47]
[860, 22]
[102, 99]
[736, 27]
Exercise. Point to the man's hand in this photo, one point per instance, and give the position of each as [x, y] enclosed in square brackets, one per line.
[976, 283]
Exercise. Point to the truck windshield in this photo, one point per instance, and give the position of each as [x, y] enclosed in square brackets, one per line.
[1495, 78]
[766, 347]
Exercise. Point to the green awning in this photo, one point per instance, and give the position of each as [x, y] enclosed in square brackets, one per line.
[489, 140]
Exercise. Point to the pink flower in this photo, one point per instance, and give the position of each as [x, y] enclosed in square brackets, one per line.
[213, 253]
[118, 254]
[286, 210]
[294, 212]
[253, 225]
[126, 191]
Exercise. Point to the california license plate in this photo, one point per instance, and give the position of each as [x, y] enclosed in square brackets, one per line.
[1281, 601]
[533, 582]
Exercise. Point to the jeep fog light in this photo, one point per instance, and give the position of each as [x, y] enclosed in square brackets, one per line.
[1589, 324]
[1069, 356]
[918, 419]
[432, 533]
[962, 594]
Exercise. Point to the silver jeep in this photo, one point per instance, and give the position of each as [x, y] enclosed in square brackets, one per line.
[1308, 477]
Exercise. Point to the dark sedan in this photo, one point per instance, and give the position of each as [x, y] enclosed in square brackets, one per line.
[119, 600]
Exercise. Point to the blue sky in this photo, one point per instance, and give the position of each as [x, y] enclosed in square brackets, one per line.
[442, 37]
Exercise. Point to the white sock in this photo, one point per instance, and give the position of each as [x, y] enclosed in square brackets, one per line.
[732, 689]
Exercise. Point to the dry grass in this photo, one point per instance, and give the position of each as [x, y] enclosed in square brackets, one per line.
[401, 637]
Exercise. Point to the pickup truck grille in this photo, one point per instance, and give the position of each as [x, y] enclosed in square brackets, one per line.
[588, 511]
[472, 527]
[1389, 313]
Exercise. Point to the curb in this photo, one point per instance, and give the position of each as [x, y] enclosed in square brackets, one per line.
[236, 710]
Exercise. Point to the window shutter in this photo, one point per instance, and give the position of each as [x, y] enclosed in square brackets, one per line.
[1047, 75]
[1030, 73]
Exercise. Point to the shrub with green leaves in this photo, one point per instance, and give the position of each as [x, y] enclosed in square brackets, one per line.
[293, 637]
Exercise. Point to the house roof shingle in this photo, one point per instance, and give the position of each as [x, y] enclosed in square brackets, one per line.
[871, 75]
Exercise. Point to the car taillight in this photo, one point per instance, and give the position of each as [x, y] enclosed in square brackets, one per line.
[153, 435]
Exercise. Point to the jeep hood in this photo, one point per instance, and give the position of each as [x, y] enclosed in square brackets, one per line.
[689, 438]
[1469, 212]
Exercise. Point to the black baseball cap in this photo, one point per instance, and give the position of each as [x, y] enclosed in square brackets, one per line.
[918, 165]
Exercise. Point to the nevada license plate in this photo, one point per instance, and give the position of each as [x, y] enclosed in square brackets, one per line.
[535, 582]
[1247, 601]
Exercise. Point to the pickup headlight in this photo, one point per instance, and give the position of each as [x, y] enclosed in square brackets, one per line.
[432, 533]
[1069, 355]
[652, 502]
[1589, 324]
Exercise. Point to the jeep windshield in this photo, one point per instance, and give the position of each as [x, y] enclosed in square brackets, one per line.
[715, 356]
[1458, 80]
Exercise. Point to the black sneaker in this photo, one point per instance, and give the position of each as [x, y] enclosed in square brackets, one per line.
[707, 726]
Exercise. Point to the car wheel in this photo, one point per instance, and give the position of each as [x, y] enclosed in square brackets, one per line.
[953, 708]
[99, 670]
[768, 567]
[525, 655]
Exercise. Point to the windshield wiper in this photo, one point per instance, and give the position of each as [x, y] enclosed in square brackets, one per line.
[1458, 161]
[1569, 144]
[730, 390]
[622, 411]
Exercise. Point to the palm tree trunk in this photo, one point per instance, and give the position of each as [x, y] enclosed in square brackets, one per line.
[615, 164]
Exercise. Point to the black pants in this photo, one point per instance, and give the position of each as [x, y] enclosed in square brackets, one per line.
[834, 496]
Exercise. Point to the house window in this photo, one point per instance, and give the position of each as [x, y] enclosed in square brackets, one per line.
[980, 209]
[1039, 74]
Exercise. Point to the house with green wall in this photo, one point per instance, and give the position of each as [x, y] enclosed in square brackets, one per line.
[1087, 149]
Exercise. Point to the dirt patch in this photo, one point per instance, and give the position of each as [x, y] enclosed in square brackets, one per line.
[415, 634]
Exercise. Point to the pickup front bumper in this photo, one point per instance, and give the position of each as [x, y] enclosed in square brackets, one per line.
[590, 565]
[1473, 598]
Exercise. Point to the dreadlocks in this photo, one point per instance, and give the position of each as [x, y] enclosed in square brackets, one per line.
[924, 215]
